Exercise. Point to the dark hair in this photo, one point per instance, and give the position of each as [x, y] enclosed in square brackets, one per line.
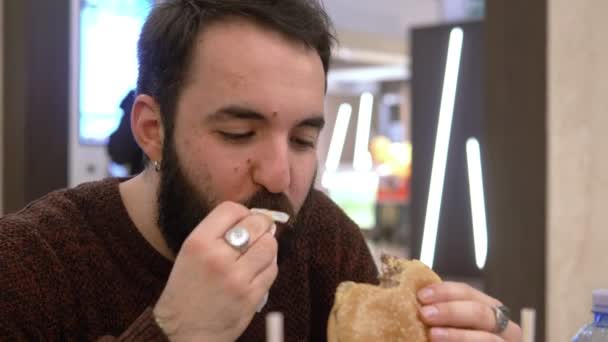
[166, 42]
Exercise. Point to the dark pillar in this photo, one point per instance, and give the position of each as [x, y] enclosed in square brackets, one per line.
[36, 89]
[516, 154]
[455, 253]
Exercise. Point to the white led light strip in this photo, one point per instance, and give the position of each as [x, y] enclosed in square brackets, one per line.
[362, 158]
[444, 127]
[478, 208]
[336, 144]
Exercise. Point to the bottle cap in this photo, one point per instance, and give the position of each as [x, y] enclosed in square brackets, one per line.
[600, 300]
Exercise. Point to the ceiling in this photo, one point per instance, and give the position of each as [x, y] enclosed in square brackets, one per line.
[387, 19]
[380, 25]
[375, 32]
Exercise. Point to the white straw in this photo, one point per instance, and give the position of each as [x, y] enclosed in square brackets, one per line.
[528, 324]
[274, 327]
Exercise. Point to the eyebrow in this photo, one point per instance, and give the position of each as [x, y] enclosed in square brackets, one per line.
[235, 112]
[316, 122]
[231, 112]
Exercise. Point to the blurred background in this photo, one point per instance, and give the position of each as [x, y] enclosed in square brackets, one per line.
[465, 133]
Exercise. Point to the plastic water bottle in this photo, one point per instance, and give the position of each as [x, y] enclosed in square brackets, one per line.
[597, 331]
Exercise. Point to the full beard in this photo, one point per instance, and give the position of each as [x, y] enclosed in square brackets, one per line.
[181, 207]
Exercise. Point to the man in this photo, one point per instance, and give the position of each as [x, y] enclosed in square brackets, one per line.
[229, 112]
[122, 147]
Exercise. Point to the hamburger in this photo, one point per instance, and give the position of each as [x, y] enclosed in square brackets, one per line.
[388, 312]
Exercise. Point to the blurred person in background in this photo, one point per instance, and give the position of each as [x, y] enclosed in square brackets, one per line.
[228, 113]
[122, 147]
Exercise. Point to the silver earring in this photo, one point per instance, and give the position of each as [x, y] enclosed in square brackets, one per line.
[157, 166]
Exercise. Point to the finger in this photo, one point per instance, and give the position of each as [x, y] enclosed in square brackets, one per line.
[262, 282]
[277, 216]
[450, 334]
[452, 291]
[460, 314]
[512, 332]
[265, 222]
[220, 219]
[469, 315]
[258, 257]
[256, 225]
[203, 238]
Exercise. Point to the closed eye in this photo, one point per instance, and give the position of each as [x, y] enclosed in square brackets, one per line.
[236, 137]
[303, 143]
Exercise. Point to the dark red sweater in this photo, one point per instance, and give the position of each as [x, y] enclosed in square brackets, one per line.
[74, 267]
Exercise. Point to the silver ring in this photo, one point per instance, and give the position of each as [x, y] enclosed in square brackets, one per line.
[237, 238]
[502, 318]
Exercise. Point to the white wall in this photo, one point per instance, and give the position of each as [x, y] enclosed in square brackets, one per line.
[577, 236]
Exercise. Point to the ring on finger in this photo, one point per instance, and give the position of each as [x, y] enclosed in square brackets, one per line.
[501, 313]
[238, 238]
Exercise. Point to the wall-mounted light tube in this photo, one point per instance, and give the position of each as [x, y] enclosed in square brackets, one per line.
[362, 157]
[336, 144]
[442, 141]
[478, 207]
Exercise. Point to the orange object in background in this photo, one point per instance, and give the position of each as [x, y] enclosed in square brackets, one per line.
[393, 189]
[393, 162]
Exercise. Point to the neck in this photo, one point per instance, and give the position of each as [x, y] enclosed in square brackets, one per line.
[139, 195]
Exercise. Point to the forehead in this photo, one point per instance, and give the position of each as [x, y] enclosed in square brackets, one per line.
[241, 40]
[239, 60]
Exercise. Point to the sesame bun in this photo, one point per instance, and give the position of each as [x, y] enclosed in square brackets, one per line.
[388, 312]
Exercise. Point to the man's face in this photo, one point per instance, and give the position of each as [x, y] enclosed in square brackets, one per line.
[246, 127]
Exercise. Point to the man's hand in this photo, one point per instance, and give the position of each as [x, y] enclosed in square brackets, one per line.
[458, 312]
[213, 290]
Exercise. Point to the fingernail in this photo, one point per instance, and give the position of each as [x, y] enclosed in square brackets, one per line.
[273, 229]
[262, 303]
[264, 212]
[439, 334]
[425, 294]
[277, 216]
[429, 311]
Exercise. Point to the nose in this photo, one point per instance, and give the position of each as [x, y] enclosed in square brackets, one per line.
[271, 167]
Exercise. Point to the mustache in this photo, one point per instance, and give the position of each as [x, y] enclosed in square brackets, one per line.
[266, 200]
[287, 234]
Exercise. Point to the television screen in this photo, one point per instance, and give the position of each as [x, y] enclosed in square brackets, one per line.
[109, 30]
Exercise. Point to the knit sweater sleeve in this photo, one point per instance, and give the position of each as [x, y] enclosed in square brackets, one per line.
[37, 300]
[143, 329]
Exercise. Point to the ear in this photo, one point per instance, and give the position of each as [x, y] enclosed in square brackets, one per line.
[147, 126]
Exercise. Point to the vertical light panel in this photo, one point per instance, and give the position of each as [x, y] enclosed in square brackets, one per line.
[362, 157]
[478, 207]
[336, 144]
[442, 141]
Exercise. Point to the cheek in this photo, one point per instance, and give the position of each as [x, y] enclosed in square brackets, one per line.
[192, 158]
[225, 177]
[302, 179]
[209, 169]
